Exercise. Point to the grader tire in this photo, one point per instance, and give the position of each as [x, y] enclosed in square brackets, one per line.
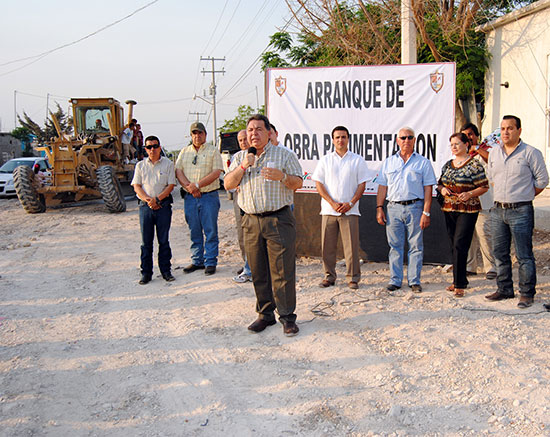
[110, 189]
[25, 187]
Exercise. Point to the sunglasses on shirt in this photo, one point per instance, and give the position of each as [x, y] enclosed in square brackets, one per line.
[406, 137]
[154, 146]
[194, 162]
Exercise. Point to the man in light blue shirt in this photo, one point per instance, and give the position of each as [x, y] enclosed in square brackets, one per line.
[406, 181]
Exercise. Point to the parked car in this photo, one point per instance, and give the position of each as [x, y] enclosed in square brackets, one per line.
[6, 172]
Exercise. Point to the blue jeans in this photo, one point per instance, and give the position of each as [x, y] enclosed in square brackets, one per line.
[149, 220]
[201, 214]
[514, 224]
[246, 269]
[403, 222]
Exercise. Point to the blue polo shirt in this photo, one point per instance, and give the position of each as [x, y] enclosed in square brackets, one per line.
[406, 180]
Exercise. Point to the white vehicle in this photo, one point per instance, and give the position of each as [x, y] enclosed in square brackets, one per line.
[6, 172]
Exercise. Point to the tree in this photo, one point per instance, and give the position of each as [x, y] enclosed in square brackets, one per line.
[25, 136]
[239, 121]
[358, 32]
[48, 131]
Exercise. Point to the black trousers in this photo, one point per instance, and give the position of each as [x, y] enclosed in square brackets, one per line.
[460, 228]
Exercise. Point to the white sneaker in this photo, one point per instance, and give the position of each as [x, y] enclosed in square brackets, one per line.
[242, 278]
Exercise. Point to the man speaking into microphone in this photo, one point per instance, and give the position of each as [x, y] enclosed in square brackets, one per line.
[268, 176]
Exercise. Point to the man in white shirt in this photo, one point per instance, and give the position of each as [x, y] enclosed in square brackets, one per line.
[154, 179]
[340, 179]
[126, 140]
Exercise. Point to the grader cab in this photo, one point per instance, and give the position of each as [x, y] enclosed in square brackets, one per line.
[89, 164]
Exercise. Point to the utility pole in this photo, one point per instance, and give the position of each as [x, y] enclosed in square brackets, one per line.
[197, 114]
[14, 109]
[213, 89]
[47, 105]
[408, 33]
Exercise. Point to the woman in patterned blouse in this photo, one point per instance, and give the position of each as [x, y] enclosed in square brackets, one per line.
[461, 183]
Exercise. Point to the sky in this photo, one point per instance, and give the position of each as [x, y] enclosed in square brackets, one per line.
[153, 57]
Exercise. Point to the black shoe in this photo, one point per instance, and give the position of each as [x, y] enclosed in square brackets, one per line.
[496, 296]
[525, 301]
[290, 329]
[468, 273]
[392, 287]
[168, 277]
[191, 268]
[145, 279]
[240, 271]
[416, 288]
[260, 324]
[210, 270]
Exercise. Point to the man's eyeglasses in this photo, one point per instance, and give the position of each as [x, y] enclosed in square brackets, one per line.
[406, 137]
[194, 162]
[154, 146]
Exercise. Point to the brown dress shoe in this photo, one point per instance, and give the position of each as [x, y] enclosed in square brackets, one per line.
[496, 296]
[353, 285]
[326, 283]
[260, 324]
[290, 329]
[525, 301]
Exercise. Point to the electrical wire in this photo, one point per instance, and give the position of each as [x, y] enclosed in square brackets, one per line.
[40, 56]
[226, 27]
[215, 27]
[254, 63]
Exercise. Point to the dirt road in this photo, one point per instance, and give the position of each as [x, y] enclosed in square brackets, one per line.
[86, 351]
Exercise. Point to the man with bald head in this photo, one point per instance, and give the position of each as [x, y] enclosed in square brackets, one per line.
[406, 181]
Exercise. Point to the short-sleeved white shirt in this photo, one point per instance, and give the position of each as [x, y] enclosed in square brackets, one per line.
[154, 177]
[341, 176]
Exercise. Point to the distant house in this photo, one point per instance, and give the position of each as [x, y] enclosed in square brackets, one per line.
[517, 82]
[10, 147]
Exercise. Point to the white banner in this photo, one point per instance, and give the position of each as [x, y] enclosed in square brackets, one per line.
[373, 102]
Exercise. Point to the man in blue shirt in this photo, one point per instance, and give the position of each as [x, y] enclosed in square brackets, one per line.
[406, 181]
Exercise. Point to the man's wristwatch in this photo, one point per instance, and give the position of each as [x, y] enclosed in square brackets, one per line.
[197, 185]
[350, 204]
[427, 214]
[284, 178]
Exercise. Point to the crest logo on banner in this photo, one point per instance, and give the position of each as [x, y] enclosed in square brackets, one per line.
[280, 85]
[436, 81]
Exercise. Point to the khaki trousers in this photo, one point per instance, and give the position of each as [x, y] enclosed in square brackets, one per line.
[270, 245]
[238, 223]
[482, 240]
[348, 228]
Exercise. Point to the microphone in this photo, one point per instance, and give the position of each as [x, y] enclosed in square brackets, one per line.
[254, 151]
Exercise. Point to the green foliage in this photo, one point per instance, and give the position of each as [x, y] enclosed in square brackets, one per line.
[24, 135]
[471, 58]
[238, 122]
[46, 133]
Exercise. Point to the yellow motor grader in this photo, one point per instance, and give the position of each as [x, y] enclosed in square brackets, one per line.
[89, 164]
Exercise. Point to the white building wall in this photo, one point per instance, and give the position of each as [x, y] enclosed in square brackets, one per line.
[520, 47]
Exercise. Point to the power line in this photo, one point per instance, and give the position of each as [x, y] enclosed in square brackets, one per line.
[254, 63]
[44, 54]
[226, 27]
[216, 26]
